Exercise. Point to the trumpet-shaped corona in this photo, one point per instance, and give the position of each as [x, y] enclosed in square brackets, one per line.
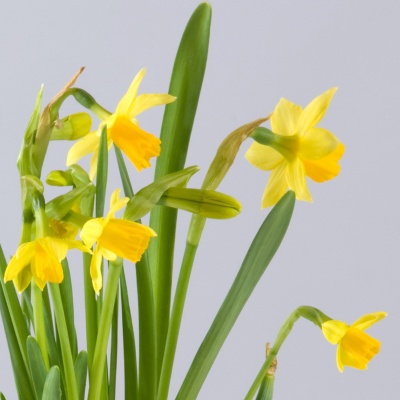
[355, 348]
[114, 238]
[298, 149]
[123, 130]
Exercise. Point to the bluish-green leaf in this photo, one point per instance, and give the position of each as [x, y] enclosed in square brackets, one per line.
[68, 304]
[52, 389]
[258, 257]
[37, 366]
[16, 332]
[102, 173]
[81, 370]
[186, 81]
[130, 365]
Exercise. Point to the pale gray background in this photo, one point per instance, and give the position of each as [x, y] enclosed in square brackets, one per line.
[340, 254]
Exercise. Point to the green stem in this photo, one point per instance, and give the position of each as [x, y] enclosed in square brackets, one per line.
[195, 229]
[100, 352]
[40, 330]
[71, 387]
[310, 313]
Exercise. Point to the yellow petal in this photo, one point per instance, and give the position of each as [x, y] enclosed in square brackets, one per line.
[23, 279]
[127, 102]
[263, 157]
[20, 261]
[285, 117]
[317, 143]
[369, 319]
[276, 187]
[86, 145]
[125, 238]
[137, 144]
[334, 330]
[326, 168]
[315, 111]
[145, 101]
[95, 271]
[296, 179]
[92, 230]
[116, 203]
[107, 254]
[45, 266]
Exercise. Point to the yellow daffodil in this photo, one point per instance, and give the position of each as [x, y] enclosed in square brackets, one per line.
[114, 238]
[40, 259]
[123, 130]
[298, 148]
[355, 348]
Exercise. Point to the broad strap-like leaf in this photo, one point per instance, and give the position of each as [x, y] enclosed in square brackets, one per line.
[258, 257]
[37, 366]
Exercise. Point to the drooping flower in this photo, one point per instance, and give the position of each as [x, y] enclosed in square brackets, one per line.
[40, 259]
[123, 130]
[355, 347]
[114, 238]
[297, 148]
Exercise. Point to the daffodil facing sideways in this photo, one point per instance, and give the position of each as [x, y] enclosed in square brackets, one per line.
[355, 347]
[114, 238]
[40, 259]
[123, 130]
[297, 148]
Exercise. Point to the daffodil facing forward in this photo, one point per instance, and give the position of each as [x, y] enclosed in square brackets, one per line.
[355, 347]
[123, 130]
[114, 238]
[296, 148]
[40, 259]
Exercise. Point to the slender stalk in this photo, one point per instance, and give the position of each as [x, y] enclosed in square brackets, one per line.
[97, 371]
[40, 330]
[310, 313]
[196, 228]
[71, 387]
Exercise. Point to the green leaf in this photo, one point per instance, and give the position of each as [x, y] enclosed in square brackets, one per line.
[2, 396]
[123, 172]
[130, 366]
[186, 81]
[37, 366]
[81, 370]
[102, 173]
[112, 381]
[68, 304]
[16, 332]
[52, 390]
[258, 257]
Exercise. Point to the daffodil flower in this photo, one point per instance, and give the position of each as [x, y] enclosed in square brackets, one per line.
[123, 130]
[114, 238]
[355, 347]
[298, 148]
[40, 259]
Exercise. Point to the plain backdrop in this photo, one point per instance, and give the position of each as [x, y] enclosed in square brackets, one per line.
[341, 253]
